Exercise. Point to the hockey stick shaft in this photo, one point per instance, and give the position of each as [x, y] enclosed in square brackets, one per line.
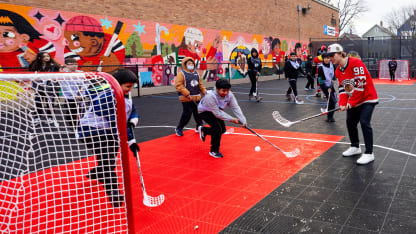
[264, 139]
[136, 154]
[317, 115]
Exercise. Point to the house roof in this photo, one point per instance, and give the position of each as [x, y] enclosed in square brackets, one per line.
[383, 29]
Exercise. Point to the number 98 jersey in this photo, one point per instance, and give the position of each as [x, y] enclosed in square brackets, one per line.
[356, 74]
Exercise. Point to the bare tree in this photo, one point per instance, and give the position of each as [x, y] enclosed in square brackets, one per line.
[397, 17]
[348, 11]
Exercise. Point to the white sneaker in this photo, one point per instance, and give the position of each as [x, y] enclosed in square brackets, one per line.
[298, 101]
[351, 151]
[365, 159]
[307, 89]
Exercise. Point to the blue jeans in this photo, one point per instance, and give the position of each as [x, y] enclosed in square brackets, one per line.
[361, 114]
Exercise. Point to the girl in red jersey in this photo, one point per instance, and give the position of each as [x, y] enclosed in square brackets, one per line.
[358, 96]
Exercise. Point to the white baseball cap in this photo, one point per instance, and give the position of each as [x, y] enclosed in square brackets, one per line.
[334, 48]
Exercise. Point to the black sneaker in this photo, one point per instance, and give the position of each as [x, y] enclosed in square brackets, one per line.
[330, 120]
[288, 97]
[115, 198]
[201, 133]
[215, 154]
[179, 132]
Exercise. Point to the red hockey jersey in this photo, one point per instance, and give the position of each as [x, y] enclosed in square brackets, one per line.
[355, 73]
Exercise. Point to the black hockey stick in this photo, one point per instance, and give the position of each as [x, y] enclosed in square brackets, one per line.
[279, 118]
[147, 200]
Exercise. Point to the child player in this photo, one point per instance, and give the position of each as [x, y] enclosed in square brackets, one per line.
[211, 109]
[98, 130]
[358, 96]
[292, 67]
[127, 79]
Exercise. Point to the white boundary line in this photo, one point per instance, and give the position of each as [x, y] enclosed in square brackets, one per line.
[296, 138]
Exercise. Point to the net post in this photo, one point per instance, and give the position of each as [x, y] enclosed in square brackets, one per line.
[124, 150]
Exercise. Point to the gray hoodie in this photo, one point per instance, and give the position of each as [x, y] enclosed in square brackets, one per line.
[216, 104]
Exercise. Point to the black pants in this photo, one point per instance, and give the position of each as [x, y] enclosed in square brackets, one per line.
[72, 111]
[292, 84]
[105, 147]
[189, 108]
[361, 114]
[332, 99]
[392, 75]
[253, 80]
[310, 81]
[216, 129]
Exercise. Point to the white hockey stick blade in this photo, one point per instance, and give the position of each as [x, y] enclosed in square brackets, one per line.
[153, 201]
[229, 131]
[293, 153]
[323, 110]
[282, 121]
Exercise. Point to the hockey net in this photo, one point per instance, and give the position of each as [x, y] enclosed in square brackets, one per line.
[61, 166]
[402, 71]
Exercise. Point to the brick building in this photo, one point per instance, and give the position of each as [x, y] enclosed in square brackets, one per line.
[269, 17]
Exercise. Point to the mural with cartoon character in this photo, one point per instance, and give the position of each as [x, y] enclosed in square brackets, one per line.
[154, 49]
[20, 41]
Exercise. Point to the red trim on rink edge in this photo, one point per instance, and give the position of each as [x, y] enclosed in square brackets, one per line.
[397, 82]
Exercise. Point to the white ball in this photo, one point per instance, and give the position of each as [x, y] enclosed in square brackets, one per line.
[257, 148]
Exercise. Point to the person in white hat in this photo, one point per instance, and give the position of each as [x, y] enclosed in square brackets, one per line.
[358, 96]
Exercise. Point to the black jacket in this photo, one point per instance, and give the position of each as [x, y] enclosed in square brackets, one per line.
[290, 71]
[254, 63]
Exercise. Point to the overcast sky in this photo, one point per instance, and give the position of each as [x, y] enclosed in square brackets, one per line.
[377, 9]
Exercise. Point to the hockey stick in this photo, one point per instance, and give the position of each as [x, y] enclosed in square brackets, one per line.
[291, 154]
[287, 123]
[147, 200]
[112, 40]
[327, 104]
[258, 98]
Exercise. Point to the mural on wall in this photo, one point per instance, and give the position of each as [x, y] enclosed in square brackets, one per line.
[155, 50]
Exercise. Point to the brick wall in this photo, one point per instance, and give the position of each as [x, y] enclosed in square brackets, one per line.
[277, 18]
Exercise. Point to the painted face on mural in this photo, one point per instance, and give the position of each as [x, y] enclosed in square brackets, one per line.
[10, 39]
[195, 47]
[276, 49]
[86, 46]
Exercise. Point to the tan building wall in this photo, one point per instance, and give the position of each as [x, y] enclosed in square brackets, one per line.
[277, 18]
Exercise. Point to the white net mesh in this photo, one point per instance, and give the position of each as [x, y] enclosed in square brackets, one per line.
[402, 71]
[60, 166]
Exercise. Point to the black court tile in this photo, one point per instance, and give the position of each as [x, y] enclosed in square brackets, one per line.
[352, 230]
[288, 190]
[409, 181]
[301, 208]
[399, 224]
[375, 203]
[380, 189]
[229, 230]
[273, 204]
[314, 226]
[344, 198]
[253, 220]
[326, 182]
[332, 213]
[403, 207]
[284, 224]
[386, 177]
[302, 179]
[407, 193]
[365, 219]
[315, 194]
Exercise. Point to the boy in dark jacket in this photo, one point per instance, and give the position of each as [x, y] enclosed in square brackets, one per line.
[292, 67]
[309, 73]
[254, 69]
